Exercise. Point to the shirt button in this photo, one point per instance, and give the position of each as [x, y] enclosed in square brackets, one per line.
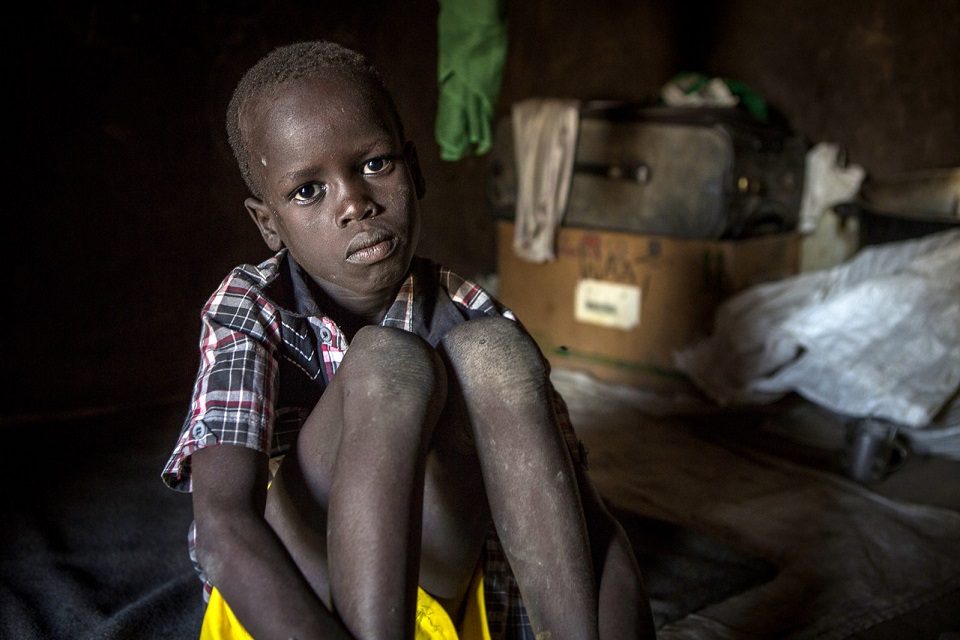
[325, 334]
[203, 436]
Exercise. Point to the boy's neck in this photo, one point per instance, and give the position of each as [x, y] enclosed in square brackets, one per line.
[352, 312]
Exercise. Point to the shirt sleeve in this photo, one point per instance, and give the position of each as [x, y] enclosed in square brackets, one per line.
[235, 390]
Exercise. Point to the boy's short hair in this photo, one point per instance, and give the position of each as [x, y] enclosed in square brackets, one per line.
[293, 61]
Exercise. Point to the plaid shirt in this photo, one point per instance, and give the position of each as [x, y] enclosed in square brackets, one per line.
[268, 352]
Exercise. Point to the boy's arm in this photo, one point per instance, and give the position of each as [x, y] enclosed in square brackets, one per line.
[242, 555]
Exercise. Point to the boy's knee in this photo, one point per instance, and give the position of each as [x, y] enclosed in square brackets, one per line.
[495, 352]
[385, 359]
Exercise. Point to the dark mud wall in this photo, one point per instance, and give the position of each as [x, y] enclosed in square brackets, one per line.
[124, 209]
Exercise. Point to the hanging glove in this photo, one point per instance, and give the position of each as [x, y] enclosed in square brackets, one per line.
[472, 44]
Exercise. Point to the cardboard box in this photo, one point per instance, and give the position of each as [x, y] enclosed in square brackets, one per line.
[619, 304]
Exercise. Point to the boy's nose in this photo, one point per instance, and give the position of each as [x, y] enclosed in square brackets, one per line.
[355, 204]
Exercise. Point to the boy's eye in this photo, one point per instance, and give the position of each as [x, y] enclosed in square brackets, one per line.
[308, 192]
[375, 166]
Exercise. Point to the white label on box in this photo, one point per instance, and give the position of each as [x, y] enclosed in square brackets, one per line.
[608, 304]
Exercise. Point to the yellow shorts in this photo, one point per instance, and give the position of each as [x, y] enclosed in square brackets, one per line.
[433, 623]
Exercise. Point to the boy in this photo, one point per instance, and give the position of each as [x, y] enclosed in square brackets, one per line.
[355, 493]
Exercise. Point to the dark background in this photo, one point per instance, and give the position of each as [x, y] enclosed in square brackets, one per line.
[124, 206]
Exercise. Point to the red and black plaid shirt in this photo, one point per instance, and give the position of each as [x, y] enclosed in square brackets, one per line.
[268, 352]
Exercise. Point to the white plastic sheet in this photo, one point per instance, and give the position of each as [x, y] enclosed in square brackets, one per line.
[878, 336]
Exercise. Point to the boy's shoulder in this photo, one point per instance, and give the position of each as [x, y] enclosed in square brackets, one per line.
[472, 296]
[258, 275]
[249, 289]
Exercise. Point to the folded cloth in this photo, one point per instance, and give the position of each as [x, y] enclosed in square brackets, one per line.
[545, 142]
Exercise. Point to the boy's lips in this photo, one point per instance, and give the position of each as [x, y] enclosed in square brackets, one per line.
[368, 247]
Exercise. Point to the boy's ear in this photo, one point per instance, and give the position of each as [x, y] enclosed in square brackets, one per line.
[413, 164]
[263, 217]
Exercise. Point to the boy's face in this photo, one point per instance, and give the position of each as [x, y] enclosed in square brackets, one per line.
[339, 187]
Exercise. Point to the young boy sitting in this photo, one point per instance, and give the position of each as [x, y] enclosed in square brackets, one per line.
[374, 491]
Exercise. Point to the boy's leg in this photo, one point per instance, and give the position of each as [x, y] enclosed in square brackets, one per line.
[353, 484]
[624, 608]
[528, 474]
[456, 519]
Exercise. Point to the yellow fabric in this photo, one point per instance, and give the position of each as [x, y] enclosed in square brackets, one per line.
[219, 623]
[474, 624]
[433, 623]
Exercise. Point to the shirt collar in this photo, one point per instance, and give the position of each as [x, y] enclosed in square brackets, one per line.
[291, 289]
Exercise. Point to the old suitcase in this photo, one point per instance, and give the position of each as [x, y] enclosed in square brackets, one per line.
[679, 172]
